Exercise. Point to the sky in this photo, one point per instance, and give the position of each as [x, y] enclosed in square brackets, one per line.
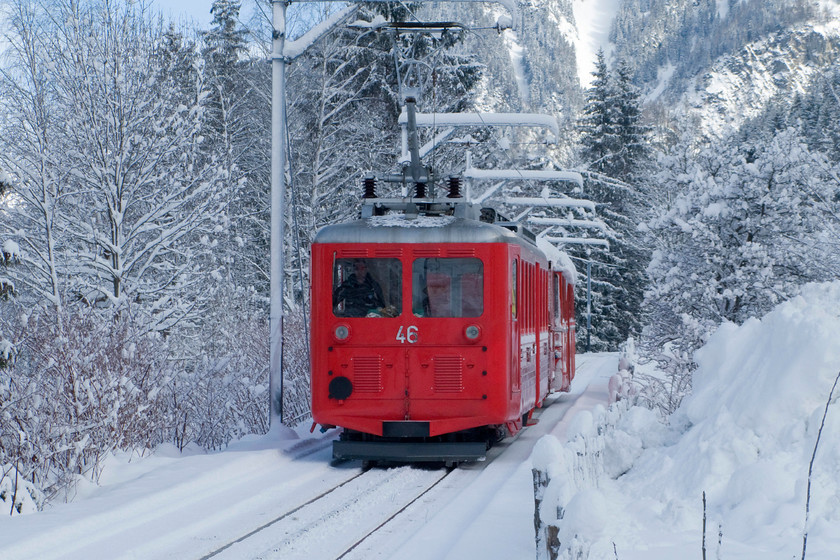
[186, 10]
[197, 11]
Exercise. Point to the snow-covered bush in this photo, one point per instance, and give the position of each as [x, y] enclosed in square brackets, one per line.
[18, 494]
[602, 446]
[222, 393]
[296, 399]
[83, 385]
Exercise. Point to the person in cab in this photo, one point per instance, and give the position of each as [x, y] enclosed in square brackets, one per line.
[359, 293]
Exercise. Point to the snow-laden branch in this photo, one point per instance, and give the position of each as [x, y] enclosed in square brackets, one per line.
[568, 222]
[524, 175]
[577, 241]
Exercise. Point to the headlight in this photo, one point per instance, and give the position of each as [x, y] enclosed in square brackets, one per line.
[472, 332]
[342, 332]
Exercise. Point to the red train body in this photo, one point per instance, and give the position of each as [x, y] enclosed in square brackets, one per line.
[474, 329]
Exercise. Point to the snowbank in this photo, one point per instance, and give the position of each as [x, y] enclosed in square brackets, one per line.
[626, 484]
[17, 495]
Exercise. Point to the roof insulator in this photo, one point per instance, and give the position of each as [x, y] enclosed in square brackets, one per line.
[370, 187]
[454, 187]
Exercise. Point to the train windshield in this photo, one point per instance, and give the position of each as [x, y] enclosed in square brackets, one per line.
[367, 287]
[447, 287]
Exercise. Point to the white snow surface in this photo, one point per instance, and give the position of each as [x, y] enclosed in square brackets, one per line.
[560, 259]
[517, 55]
[745, 437]
[185, 505]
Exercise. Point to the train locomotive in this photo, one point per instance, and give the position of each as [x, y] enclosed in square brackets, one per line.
[438, 327]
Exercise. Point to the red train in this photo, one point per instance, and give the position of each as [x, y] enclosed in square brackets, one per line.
[437, 329]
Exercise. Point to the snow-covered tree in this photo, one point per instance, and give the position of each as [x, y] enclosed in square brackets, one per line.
[615, 144]
[31, 156]
[614, 140]
[599, 137]
[631, 162]
[113, 212]
[739, 236]
[144, 208]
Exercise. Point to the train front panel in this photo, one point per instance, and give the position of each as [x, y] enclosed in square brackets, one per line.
[432, 349]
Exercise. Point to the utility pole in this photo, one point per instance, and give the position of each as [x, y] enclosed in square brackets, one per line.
[588, 297]
[278, 194]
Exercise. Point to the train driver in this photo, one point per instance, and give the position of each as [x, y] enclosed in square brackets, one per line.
[360, 292]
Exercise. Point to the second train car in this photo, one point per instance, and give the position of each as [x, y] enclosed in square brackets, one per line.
[437, 329]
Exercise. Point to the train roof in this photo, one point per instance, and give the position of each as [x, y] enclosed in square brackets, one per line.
[463, 225]
[398, 228]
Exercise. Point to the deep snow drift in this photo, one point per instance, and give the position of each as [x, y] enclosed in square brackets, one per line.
[745, 437]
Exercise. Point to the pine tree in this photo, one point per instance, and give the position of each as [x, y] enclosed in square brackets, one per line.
[632, 137]
[615, 144]
[599, 138]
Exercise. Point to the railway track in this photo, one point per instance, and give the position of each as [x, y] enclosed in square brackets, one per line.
[336, 521]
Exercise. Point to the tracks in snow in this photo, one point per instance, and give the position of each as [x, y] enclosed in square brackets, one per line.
[374, 512]
[335, 522]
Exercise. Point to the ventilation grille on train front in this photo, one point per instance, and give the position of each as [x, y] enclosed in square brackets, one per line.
[449, 376]
[367, 374]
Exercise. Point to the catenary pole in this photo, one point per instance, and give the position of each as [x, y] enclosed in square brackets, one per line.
[588, 297]
[278, 185]
[278, 194]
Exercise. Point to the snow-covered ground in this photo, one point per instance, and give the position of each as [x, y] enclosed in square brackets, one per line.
[172, 505]
[745, 437]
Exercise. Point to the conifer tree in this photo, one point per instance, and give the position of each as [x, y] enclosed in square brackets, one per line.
[632, 136]
[598, 124]
[615, 145]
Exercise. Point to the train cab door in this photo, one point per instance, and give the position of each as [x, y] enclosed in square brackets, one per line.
[441, 365]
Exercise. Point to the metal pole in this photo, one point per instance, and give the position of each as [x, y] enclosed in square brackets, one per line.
[588, 298]
[278, 194]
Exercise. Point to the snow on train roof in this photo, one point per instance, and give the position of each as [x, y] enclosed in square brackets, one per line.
[397, 228]
[559, 259]
[400, 220]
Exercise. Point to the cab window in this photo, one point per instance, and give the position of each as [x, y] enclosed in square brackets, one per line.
[367, 287]
[447, 287]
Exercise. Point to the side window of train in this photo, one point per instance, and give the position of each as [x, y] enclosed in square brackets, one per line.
[514, 288]
[367, 287]
[447, 287]
[556, 296]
